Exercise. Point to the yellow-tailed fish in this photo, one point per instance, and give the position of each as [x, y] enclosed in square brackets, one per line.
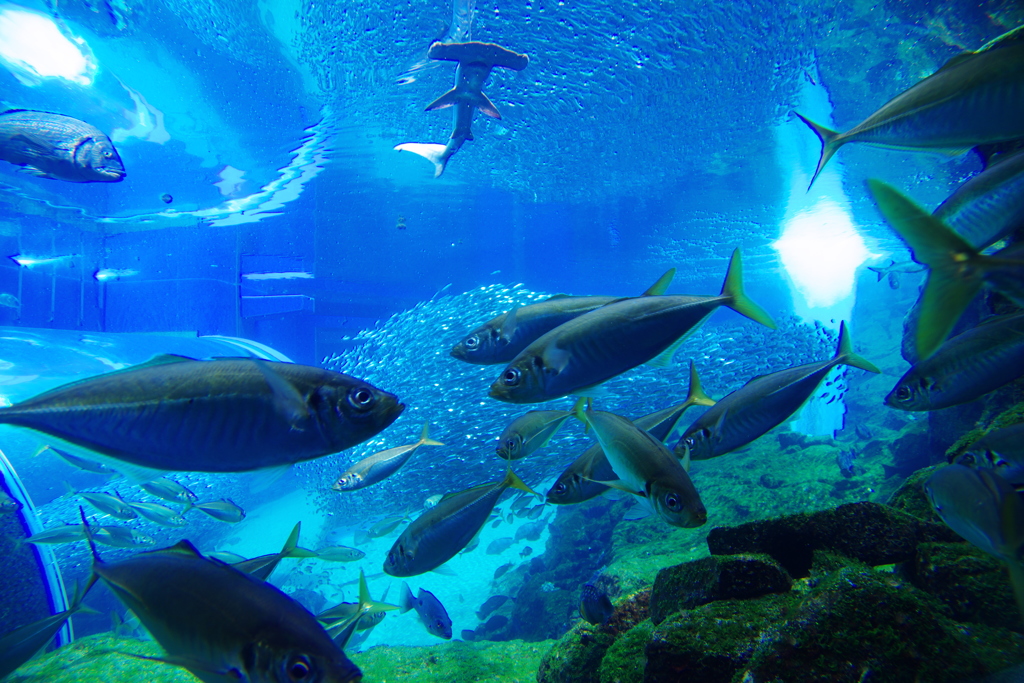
[500, 339]
[81, 463]
[339, 553]
[762, 404]
[596, 346]
[441, 532]
[956, 270]
[580, 480]
[222, 624]
[990, 205]
[176, 413]
[107, 503]
[169, 490]
[159, 514]
[976, 98]
[380, 466]
[647, 469]
[362, 616]
[530, 432]
[221, 510]
[263, 566]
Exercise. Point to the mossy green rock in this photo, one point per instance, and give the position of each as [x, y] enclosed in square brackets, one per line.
[911, 498]
[975, 586]
[871, 533]
[625, 660]
[576, 657]
[719, 577]
[107, 659]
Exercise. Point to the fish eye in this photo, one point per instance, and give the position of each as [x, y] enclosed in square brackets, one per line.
[107, 154]
[512, 444]
[472, 342]
[560, 488]
[691, 442]
[903, 393]
[672, 502]
[299, 668]
[705, 433]
[511, 377]
[361, 398]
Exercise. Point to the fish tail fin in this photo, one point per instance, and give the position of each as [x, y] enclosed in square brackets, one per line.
[738, 299]
[950, 286]
[69, 490]
[432, 152]
[291, 544]
[41, 450]
[846, 356]
[512, 480]
[368, 604]
[408, 600]
[1017, 582]
[829, 145]
[662, 283]
[93, 576]
[696, 395]
[880, 272]
[425, 439]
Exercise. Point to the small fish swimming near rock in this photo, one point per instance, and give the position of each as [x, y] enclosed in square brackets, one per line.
[58, 147]
[380, 466]
[595, 607]
[440, 533]
[588, 350]
[225, 415]
[986, 511]
[490, 604]
[502, 570]
[430, 610]
[975, 98]
[221, 510]
[222, 624]
[475, 63]
[502, 338]
[845, 459]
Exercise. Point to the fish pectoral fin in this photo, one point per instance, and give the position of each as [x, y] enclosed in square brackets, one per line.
[486, 106]
[638, 512]
[446, 100]
[261, 480]
[618, 485]
[226, 674]
[555, 360]
[287, 399]
[508, 327]
[37, 172]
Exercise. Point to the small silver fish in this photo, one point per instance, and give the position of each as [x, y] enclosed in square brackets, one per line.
[221, 510]
[340, 553]
[159, 514]
[381, 465]
[169, 490]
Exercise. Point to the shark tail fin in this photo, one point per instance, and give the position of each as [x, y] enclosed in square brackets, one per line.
[829, 144]
[952, 283]
[433, 153]
[739, 301]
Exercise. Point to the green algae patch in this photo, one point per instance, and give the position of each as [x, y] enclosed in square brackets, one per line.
[1011, 416]
[625, 660]
[102, 659]
[576, 657]
[513, 661]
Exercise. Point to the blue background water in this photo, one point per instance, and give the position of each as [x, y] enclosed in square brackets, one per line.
[639, 138]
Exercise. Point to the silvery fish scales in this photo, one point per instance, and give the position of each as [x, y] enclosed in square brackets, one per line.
[229, 415]
[58, 147]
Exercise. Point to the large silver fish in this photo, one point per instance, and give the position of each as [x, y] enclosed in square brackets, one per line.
[227, 415]
[647, 469]
[976, 98]
[58, 147]
[475, 63]
[441, 532]
[580, 480]
[596, 346]
[530, 432]
[965, 367]
[379, 466]
[986, 511]
[222, 624]
[500, 339]
[762, 404]
[21, 644]
[956, 270]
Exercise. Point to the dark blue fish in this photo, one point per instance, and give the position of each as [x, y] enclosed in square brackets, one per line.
[845, 459]
[432, 613]
[492, 603]
[595, 607]
[500, 571]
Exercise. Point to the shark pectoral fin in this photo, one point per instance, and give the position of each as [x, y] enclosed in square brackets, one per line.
[486, 106]
[433, 153]
[444, 101]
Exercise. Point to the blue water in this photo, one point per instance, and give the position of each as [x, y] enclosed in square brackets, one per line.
[640, 137]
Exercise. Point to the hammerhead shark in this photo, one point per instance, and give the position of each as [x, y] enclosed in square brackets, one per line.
[475, 63]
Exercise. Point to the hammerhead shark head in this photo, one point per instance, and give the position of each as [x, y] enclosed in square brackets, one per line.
[475, 63]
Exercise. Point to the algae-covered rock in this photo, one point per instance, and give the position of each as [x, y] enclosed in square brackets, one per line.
[974, 585]
[576, 657]
[713, 578]
[512, 661]
[625, 660]
[911, 498]
[869, 532]
[102, 659]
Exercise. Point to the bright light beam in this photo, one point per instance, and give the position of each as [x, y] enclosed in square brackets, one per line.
[34, 48]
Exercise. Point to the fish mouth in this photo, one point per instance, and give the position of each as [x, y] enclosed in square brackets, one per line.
[113, 175]
[457, 353]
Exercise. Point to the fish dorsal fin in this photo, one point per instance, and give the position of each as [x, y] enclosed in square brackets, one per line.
[845, 354]
[661, 285]
[163, 359]
[696, 396]
[1012, 37]
[292, 541]
[182, 547]
[556, 297]
[512, 480]
[956, 61]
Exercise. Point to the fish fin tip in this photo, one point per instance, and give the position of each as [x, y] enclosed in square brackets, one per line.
[446, 100]
[738, 299]
[829, 144]
[661, 285]
[846, 356]
[432, 152]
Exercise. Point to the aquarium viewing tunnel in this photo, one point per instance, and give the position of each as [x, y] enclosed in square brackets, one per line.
[569, 341]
